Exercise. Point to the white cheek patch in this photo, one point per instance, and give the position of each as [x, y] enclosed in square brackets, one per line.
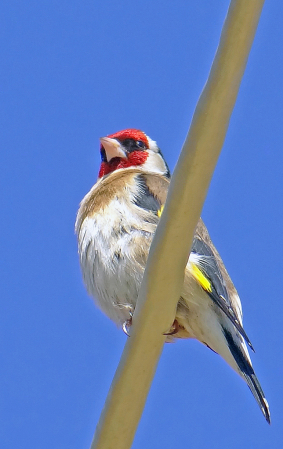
[155, 163]
[152, 144]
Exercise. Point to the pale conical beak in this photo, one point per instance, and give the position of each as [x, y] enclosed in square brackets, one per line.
[112, 148]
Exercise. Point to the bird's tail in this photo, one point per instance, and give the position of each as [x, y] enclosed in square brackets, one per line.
[256, 390]
[247, 372]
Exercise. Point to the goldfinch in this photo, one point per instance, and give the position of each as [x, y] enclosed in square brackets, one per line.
[115, 225]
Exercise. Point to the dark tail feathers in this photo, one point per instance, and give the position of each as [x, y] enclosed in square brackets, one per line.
[248, 374]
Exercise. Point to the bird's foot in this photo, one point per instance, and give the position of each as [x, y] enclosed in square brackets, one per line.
[127, 324]
[174, 328]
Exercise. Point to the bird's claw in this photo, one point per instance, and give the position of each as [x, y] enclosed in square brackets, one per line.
[174, 328]
[127, 324]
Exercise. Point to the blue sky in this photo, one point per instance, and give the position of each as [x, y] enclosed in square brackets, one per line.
[72, 72]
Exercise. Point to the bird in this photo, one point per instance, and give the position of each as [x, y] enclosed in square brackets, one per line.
[115, 224]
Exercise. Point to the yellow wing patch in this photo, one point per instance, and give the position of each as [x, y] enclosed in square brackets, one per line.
[159, 212]
[200, 277]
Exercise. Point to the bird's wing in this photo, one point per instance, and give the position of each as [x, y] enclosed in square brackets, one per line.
[205, 263]
[151, 191]
[145, 197]
[208, 269]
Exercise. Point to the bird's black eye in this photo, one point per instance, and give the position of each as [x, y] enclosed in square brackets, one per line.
[141, 144]
[131, 145]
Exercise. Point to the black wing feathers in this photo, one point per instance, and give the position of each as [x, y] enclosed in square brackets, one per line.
[219, 294]
[207, 261]
[146, 200]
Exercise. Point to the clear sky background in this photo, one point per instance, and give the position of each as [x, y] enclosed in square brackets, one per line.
[73, 71]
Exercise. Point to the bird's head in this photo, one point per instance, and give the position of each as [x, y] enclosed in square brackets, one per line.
[131, 148]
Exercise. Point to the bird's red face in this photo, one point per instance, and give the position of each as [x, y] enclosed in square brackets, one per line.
[127, 148]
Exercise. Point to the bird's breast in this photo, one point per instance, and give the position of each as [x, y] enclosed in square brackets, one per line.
[113, 247]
